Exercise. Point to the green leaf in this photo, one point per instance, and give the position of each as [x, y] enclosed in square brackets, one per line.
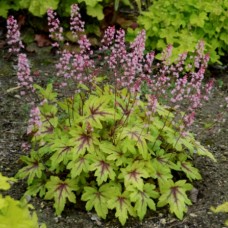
[5, 182]
[78, 166]
[162, 172]
[46, 93]
[91, 3]
[201, 150]
[191, 172]
[96, 11]
[133, 175]
[143, 199]
[60, 191]
[38, 185]
[63, 150]
[82, 141]
[39, 7]
[138, 136]
[34, 167]
[98, 198]
[114, 153]
[103, 169]
[174, 194]
[166, 159]
[4, 8]
[121, 203]
[221, 208]
[198, 19]
[15, 213]
[96, 110]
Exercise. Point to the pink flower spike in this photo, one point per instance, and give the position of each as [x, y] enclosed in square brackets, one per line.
[76, 24]
[13, 36]
[25, 80]
[56, 31]
[34, 121]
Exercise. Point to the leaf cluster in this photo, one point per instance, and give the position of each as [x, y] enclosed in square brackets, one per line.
[104, 147]
[94, 8]
[184, 23]
[10, 207]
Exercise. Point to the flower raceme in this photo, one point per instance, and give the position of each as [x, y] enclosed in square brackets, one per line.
[13, 36]
[25, 80]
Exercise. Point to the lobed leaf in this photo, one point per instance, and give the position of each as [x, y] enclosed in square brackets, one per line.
[174, 194]
[98, 198]
[143, 199]
[60, 191]
[121, 203]
[34, 167]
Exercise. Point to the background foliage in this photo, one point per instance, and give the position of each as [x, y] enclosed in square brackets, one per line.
[180, 23]
[15, 213]
[184, 23]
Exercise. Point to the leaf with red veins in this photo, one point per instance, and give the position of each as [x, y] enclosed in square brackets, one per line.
[140, 137]
[61, 191]
[34, 167]
[63, 151]
[121, 203]
[133, 175]
[143, 199]
[174, 194]
[96, 109]
[98, 198]
[82, 142]
[191, 172]
[103, 170]
[78, 166]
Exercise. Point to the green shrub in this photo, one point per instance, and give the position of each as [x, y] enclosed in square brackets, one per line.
[15, 213]
[184, 23]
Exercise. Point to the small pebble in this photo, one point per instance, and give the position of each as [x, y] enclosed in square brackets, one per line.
[163, 221]
[193, 215]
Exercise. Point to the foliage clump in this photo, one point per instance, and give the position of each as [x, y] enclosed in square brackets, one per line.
[183, 23]
[111, 131]
[15, 213]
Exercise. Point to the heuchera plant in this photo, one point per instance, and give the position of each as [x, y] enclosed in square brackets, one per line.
[104, 131]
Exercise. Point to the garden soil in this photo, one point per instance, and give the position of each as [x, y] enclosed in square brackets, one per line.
[212, 190]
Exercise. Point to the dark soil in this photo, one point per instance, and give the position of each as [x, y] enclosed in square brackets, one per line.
[212, 189]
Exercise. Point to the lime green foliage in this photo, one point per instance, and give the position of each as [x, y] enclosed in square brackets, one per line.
[36, 7]
[94, 8]
[103, 147]
[14, 213]
[221, 208]
[6, 5]
[184, 23]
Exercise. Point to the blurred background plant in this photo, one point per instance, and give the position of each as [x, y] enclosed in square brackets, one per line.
[179, 23]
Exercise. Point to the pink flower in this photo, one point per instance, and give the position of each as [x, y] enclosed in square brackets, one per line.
[13, 36]
[108, 38]
[25, 80]
[56, 31]
[189, 119]
[76, 24]
[34, 122]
